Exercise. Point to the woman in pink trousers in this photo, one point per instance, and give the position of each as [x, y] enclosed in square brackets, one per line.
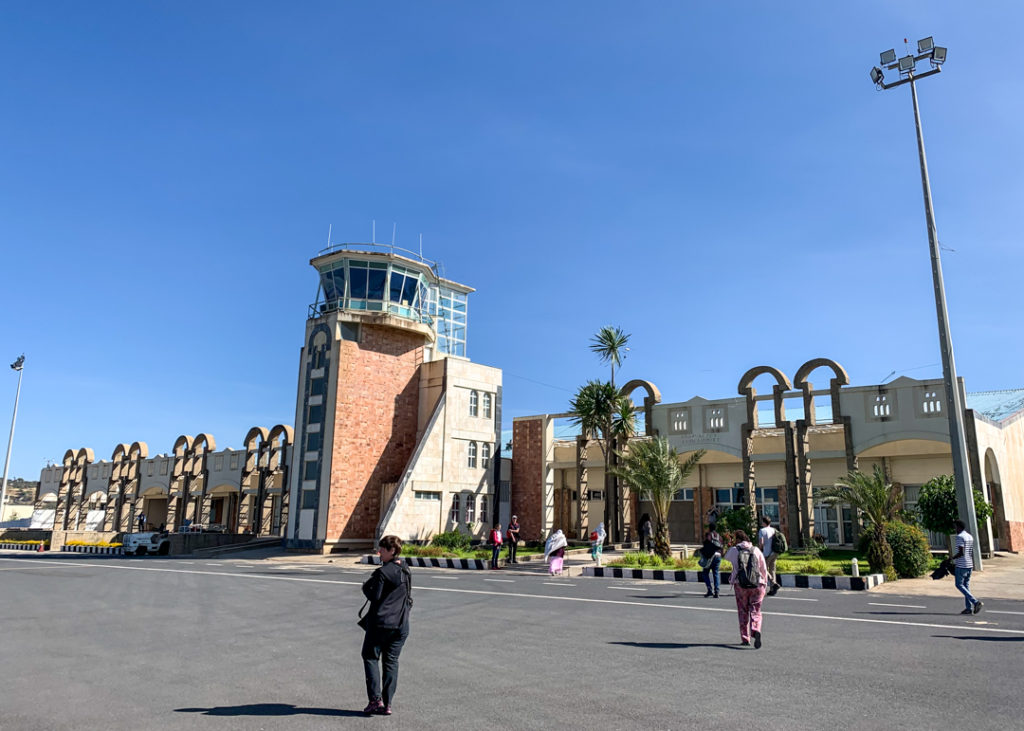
[749, 581]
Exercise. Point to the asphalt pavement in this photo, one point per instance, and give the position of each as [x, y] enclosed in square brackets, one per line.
[270, 642]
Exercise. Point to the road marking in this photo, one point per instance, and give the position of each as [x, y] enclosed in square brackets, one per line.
[627, 588]
[794, 598]
[503, 581]
[996, 611]
[446, 578]
[524, 595]
[556, 583]
[214, 564]
[27, 568]
[188, 562]
[904, 606]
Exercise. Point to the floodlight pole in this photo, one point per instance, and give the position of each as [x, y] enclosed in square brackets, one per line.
[10, 440]
[954, 402]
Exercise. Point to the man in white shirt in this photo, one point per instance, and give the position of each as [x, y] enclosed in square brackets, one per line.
[766, 543]
[963, 561]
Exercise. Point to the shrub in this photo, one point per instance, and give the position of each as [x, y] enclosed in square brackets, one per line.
[452, 540]
[911, 553]
[879, 552]
[738, 519]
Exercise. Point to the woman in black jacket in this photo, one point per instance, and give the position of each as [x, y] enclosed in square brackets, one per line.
[389, 592]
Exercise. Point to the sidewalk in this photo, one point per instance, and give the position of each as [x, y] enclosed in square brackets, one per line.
[1002, 578]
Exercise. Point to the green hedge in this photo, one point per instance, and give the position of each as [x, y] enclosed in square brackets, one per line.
[911, 554]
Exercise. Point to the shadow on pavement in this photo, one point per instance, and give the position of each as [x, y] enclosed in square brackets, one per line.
[982, 639]
[269, 709]
[678, 645]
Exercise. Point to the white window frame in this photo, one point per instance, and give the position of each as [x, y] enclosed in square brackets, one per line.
[483, 509]
[471, 455]
[474, 403]
[470, 503]
[485, 454]
[487, 405]
[455, 511]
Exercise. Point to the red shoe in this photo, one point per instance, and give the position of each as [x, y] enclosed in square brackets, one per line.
[374, 706]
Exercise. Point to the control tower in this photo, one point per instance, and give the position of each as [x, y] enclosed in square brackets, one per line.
[396, 431]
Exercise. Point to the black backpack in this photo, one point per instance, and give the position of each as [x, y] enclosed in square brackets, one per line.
[747, 573]
[779, 543]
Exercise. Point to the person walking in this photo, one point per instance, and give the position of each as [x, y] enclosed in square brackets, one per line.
[963, 560]
[597, 543]
[142, 522]
[554, 550]
[513, 539]
[711, 559]
[495, 545]
[766, 542]
[646, 533]
[749, 579]
[388, 592]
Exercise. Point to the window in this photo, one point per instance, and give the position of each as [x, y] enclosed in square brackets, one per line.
[596, 494]
[310, 471]
[679, 421]
[234, 463]
[487, 405]
[317, 386]
[714, 418]
[768, 503]
[880, 406]
[483, 509]
[163, 467]
[471, 461]
[470, 509]
[316, 414]
[308, 499]
[218, 463]
[428, 496]
[685, 493]
[485, 454]
[453, 514]
[474, 400]
[730, 498]
[313, 442]
[931, 402]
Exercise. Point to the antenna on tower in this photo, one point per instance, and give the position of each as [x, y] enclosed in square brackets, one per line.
[329, 227]
[394, 230]
[373, 235]
[421, 247]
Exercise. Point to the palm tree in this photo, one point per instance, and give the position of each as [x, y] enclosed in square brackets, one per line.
[610, 346]
[603, 413]
[873, 495]
[878, 499]
[652, 468]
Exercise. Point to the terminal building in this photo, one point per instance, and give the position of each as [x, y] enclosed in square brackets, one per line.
[770, 450]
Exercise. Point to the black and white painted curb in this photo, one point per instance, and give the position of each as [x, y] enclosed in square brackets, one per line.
[438, 563]
[110, 550]
[799, 581]
[19, 546]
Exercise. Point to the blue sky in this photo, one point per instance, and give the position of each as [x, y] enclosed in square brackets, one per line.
[720, 180]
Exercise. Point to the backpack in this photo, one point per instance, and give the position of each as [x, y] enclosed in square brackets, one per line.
[779, 543]
[747, 574]
[716, 541]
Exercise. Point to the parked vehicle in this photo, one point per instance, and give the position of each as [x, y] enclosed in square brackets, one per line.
[139, 544]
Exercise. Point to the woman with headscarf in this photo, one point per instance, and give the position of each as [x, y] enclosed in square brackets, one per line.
[554, 550]
[597, 543]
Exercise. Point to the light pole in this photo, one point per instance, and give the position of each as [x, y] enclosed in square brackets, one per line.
[19, 366]
[936, 56]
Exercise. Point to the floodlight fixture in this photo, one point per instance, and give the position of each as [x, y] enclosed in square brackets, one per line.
[877, 76]
[925, 44]
[907, 64]
[939, 55]
[888, 57]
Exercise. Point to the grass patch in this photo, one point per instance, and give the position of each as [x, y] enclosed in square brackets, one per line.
[481, 552]
[831, 562]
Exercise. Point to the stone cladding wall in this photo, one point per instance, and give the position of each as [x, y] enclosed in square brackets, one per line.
[374, 426]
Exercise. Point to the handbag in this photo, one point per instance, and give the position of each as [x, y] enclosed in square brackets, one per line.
[364, 620]
[704, 562]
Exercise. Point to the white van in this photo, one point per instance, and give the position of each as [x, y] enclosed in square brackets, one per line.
[139, 544]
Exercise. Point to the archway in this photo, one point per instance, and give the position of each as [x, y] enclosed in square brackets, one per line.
[994, 495]
[153, 504]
